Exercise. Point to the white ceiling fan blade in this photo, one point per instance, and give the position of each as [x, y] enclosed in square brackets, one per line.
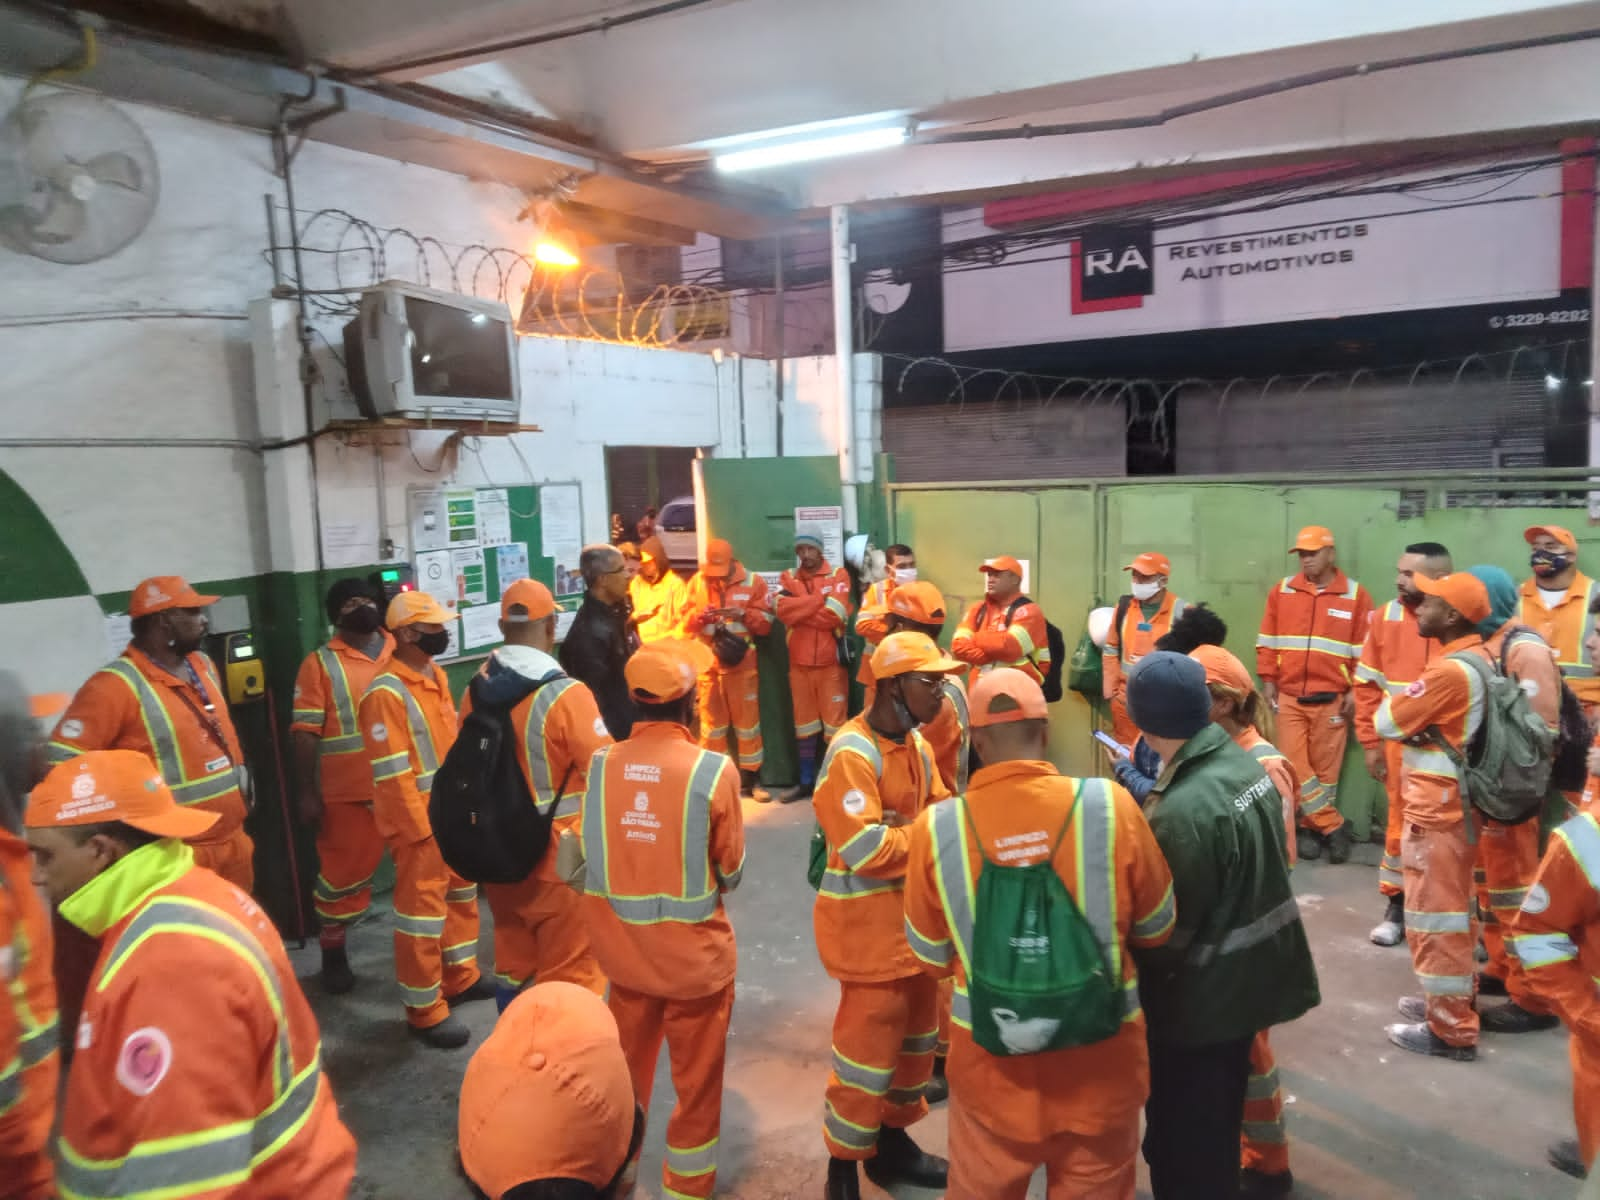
[116, 168]
[65, 219]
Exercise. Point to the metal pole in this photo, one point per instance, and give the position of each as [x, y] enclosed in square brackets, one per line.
[844, 357]
[1594, 344]
[781, 301]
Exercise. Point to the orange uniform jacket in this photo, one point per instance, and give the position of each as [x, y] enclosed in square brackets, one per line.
[1281, 771]
[1310, 641]
[949, 736]
[987, 637]
[559, 728]
[658, 606]
[198, 1068]
[1557, 933]
[1134, 640]
[1450, 696]
[130, 701]
[1533, 663]
[872, 624]
[408, 723]
[29, 1062]
[1018, 810]
[815, 607]
[664, 837]
[1393, 657]
[743, 590]
[327, 692]
[859, 918]
[1565, 627]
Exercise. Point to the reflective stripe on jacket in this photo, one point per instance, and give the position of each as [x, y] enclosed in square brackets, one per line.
[408, 724]
[1310, 641]
[1566, 628]
[327, 692]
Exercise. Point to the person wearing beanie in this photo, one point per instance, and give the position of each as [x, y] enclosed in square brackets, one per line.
[813, 603]
[1508, 855]
[1238, 961]
[1436, 849]
[657, 594]
[331, 769]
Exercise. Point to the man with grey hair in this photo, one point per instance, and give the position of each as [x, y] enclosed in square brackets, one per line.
[601, 640]
[29, 1063]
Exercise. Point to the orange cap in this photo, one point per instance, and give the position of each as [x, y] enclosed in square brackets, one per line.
[161, 592]
[1564, 536]
[918, 601]
[1224, 668]
[554, 1052]
[664, 671]
[416, 608]
[904, 652]
[48, 704]
[1005, 695]
[532, 597]
[718, 562]
[1004, 563]
[1462, 591]
[652, 549]
[1150, 563]
[113, 785]
[628, 550]
[1312, 537]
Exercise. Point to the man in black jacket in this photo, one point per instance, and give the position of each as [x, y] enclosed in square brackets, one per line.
[601, 640]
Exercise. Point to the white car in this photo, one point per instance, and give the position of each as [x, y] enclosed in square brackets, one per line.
[675, 527]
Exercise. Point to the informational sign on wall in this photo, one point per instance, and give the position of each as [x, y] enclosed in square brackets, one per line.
[561, 510]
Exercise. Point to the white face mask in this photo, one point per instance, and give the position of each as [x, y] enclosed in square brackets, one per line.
[905, 575]
[1145, 591]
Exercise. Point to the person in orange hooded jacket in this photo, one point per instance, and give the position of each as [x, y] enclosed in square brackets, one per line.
[878, 775]
[198, 1069]
[30, 1065]
[814, 604]
[1306, 657]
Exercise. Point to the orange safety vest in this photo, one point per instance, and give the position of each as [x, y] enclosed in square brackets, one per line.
[132, 704]
[331, 682]
[1566, 628]
[664, 838]
[1136, 638]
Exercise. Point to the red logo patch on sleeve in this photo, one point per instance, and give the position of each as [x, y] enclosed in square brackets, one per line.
[1416, 689]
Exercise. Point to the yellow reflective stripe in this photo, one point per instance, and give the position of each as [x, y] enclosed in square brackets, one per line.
[163, 738]
[1023, 639]
[1266, 641]
[421, 734]
[833, 605]
[1369, 674]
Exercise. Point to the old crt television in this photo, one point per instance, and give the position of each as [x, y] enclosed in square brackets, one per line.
[416, 352]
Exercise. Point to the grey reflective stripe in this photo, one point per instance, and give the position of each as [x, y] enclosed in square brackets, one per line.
[569, 806]
[954, 873]
[1256, 932]
[462, 895]
[1582, 836]
[848, 885]
[652, 910]
[1447, 985]
[904, 1096]
[697, 795]
[1261, 1087]
[872, 1080]
[1269, 1133]
[10, 1087]
[1537, 950]
[958, 700]
[422, 927]
[39, 1043]
[961, 1007]
[534, 744]
[843, 1132]
[454, 956]
[159, 731]
[1438, 922]
[207, 1163]
[348, 739]
[694, 1160]
[592, 828]
[863, 845]
[934, 952]
[920, 1043]
[194, 918]
[421, 735]
[855, 743]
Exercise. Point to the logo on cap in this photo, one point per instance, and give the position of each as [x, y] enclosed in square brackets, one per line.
[83, 786]
[154, 595]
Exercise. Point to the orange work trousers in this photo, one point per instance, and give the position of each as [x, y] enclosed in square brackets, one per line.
[1312, 737]
[234, 858]
[1263, 1139]
[1584, 1053]
[1122, 726]
[435, 931]
[696, 1033]
[987, 1165]
[1391, 881]
[733, 698]
[1507, 863]
[1440, 927]
[349, 848]
[821, 700]
[884, 1036]
[947, 995]
[539, 933]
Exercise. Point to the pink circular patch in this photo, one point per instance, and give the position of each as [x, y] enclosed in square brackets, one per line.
[144, 1060]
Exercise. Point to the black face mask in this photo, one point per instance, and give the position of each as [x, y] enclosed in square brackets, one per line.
[434, 644]
[1544, 562]
[362, 620]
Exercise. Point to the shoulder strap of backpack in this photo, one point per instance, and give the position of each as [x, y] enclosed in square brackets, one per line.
[1515, 634]
[1124, 603]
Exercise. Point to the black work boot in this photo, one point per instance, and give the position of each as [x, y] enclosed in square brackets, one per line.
[1513, 1018]
[1419, 1039]
[1566, 1157]
[1309, 844]
[337, 978]
[844, 1183]
[1258, 1185]
[901, 1160]
[938, 1089]
[1339, 844]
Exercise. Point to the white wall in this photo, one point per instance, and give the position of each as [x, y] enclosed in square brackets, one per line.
[155, 343]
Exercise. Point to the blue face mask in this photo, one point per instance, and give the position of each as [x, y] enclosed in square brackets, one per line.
[1545, 562]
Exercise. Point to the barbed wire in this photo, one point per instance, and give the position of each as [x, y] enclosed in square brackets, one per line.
[343, 254]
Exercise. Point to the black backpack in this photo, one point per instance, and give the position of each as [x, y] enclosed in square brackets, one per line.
[484, 818]
[1058, 654]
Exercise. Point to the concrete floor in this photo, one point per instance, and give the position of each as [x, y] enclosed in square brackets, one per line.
[1368, 1121]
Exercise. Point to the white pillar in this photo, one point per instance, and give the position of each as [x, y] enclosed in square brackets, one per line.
[1594, 352]
[844, 358]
